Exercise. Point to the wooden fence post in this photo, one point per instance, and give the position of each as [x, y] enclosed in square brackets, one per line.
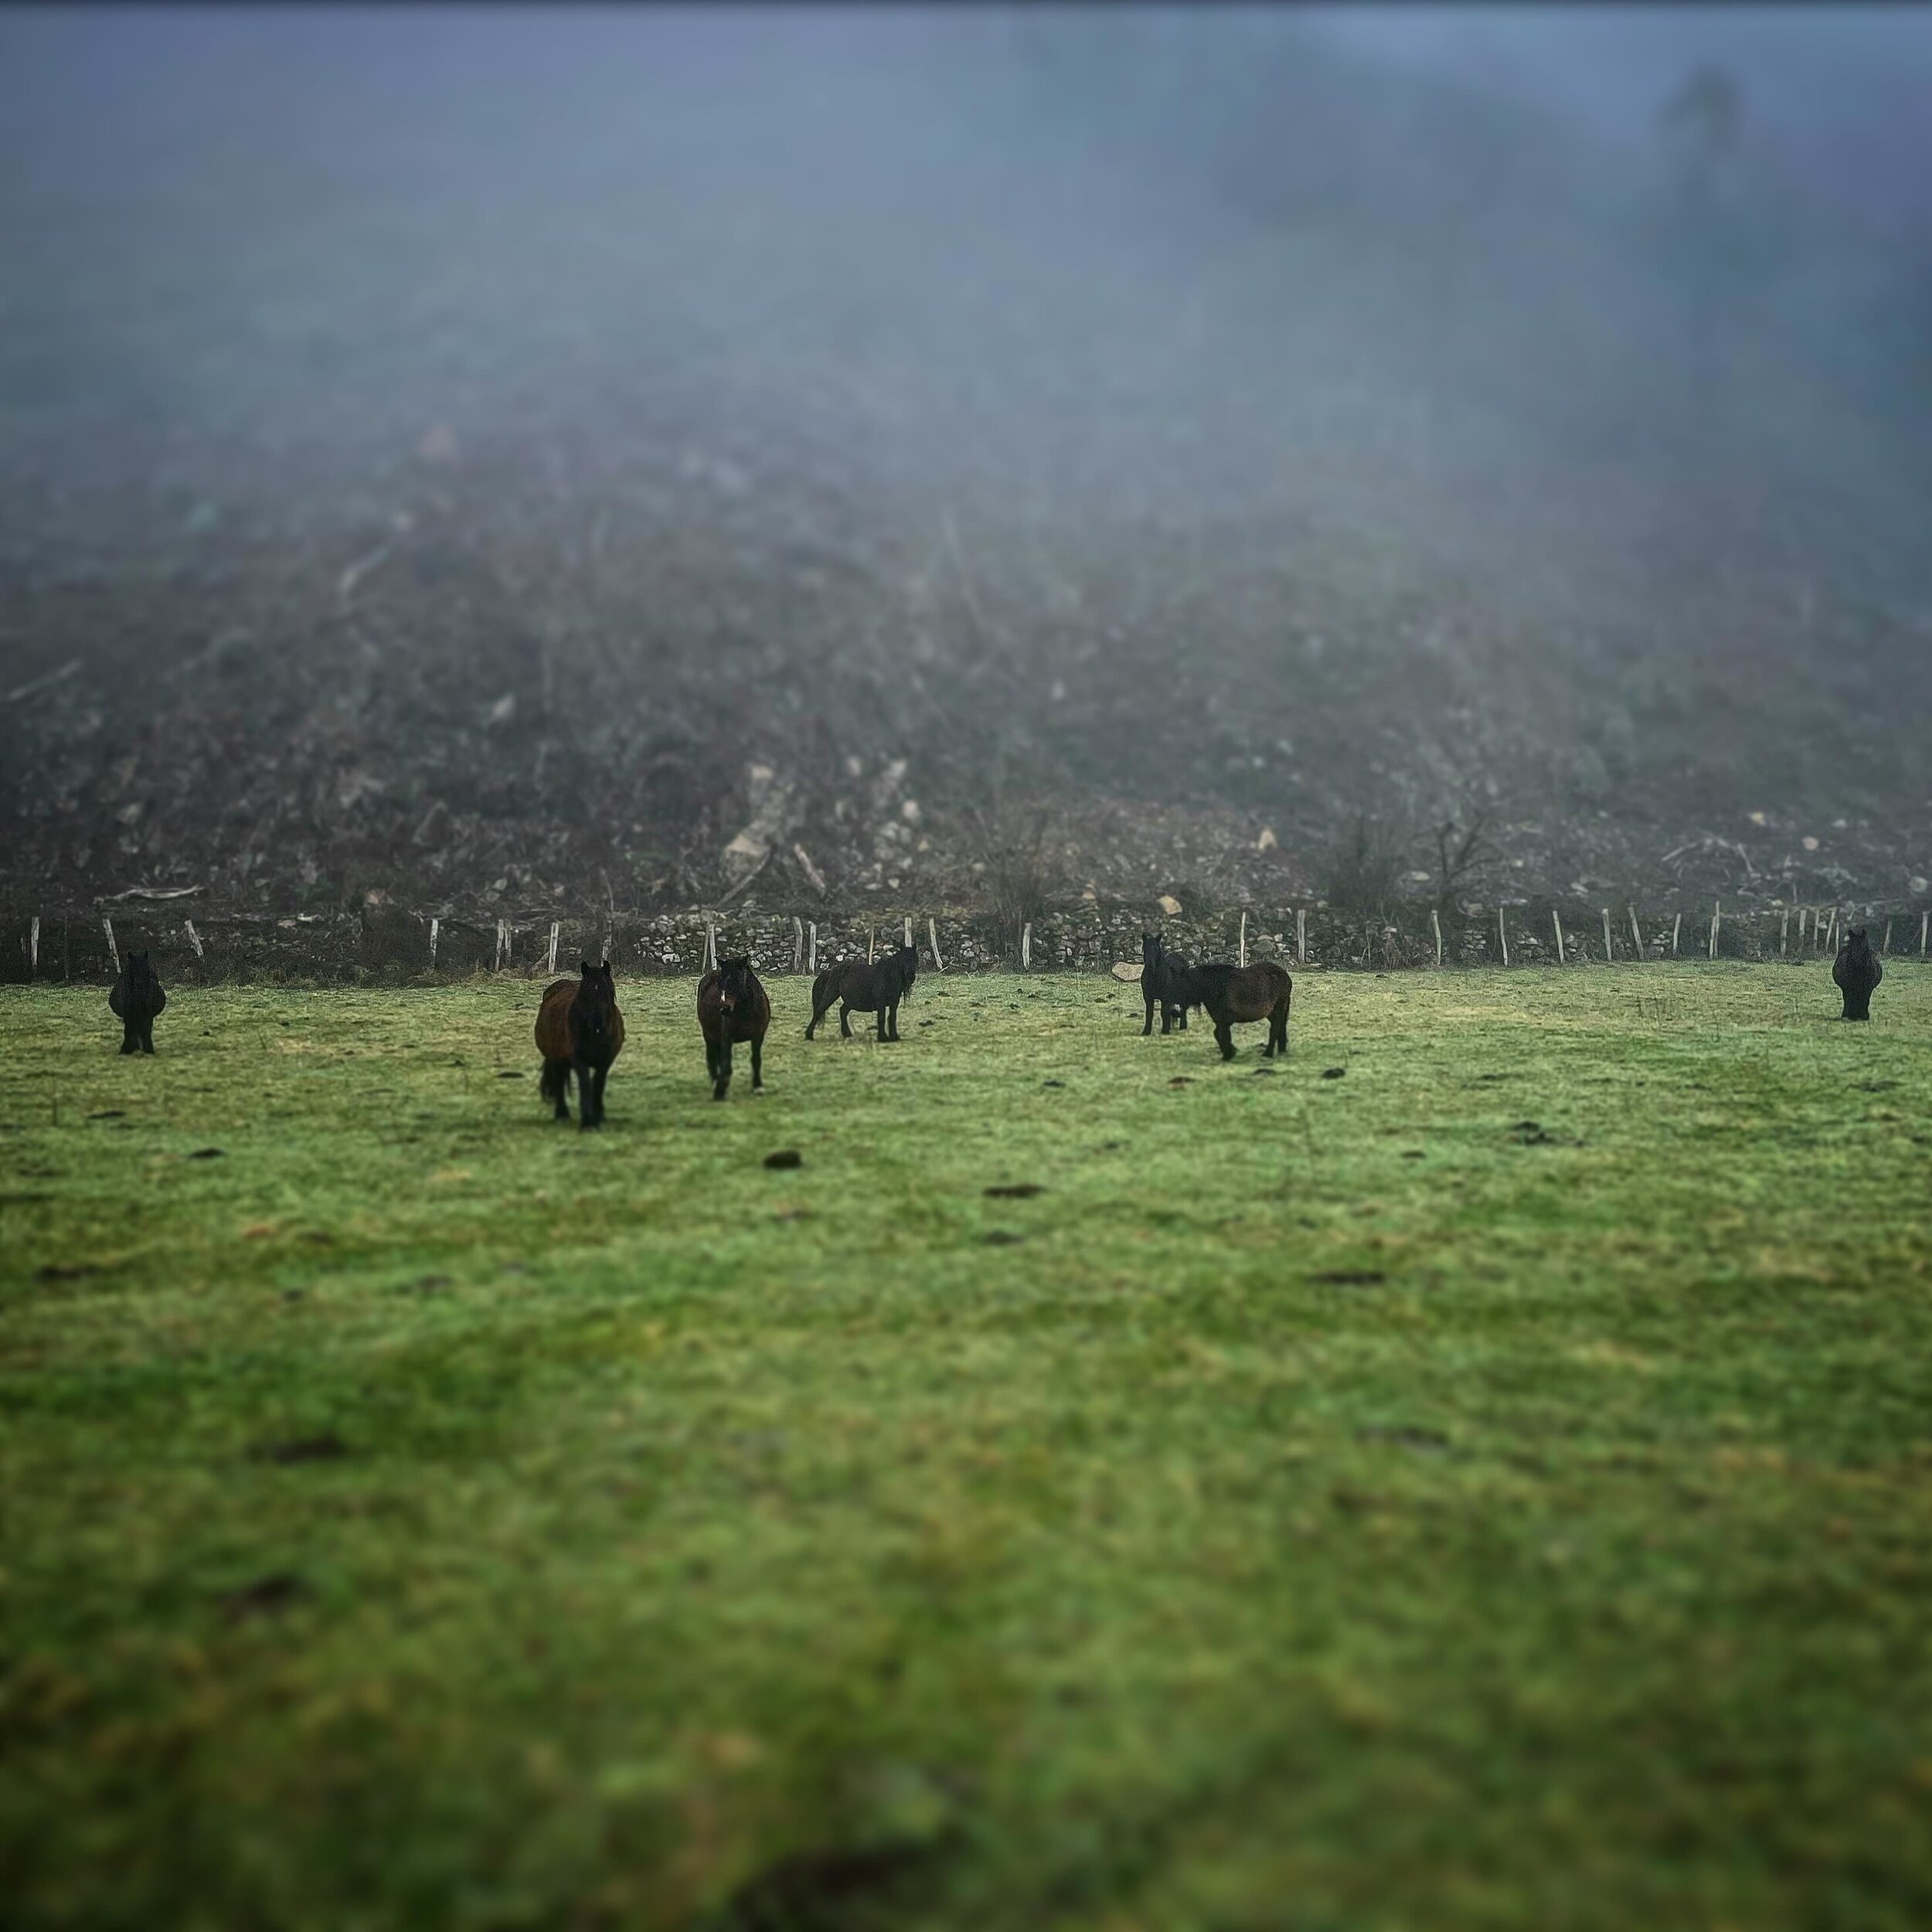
[710, 944]
[556, 928]
[1676, 926]
[1241, 949]
[1557, 922]
[811, 955]
[1717, 913]
[33, 947]
[909, 929]
[1608, 955]
[1435, 926]
[872, 944]
[1925, 920]
[1026, 947]
[932, 933]
[113, 952]
[1884, 945]
[1636, 937]
[1784, 931]
[436, 926]
[798, 942]
[1301, 935]
[1502, 935]
[194, 938]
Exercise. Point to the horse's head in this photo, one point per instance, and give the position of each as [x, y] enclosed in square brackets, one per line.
[141, 972]
[734, 984]
[596, 1000]
[1150, 950]
[1856, 940]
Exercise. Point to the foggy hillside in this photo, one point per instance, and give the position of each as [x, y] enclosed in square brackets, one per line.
[493, 458]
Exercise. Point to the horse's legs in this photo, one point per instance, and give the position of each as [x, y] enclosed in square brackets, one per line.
[600, 1075]
[721, 1067]
[757, 1064]
[147, 1033]
[895, 1020]
[130, 1040]
[1149, 1027]
[1224, 1038]
[586, 1096]
[845, 1020]
[1278, 1025]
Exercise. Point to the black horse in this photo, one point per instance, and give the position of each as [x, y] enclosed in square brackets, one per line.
[1235, 995]
[861, 988]
[1163, 981]
[732, 1004]
[579, 1030]
[135, 1000]
[1856, 973]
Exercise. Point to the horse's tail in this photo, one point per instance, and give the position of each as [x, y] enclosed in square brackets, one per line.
[556, 1080]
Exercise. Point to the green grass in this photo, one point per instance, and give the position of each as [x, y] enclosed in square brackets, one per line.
[1341, 1507]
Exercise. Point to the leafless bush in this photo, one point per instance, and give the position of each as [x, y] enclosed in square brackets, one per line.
[1364, 865]
[1016, 848]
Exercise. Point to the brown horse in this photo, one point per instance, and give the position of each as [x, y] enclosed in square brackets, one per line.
[579, 1029]
[732, 1004]
[1235, 994]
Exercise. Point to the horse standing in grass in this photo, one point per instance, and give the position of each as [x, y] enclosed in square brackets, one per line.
[861, 988]
[732, 1004]
[1163, 980]
[1855, 972]
[135, 999]
[579, 1030]
[1235, 994]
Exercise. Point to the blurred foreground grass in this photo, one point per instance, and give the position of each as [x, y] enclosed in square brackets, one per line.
[1490, 1487]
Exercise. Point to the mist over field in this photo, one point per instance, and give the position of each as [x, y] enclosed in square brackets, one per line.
[506, 460]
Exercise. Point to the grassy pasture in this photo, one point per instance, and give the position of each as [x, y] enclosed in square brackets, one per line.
[1491, 1487]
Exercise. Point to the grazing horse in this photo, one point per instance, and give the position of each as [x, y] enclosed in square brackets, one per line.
[860, 988]
[732, 1004]
[579, 1030]
[1856, 973]
[136, 999]
[1163, 978]
[1235, 994]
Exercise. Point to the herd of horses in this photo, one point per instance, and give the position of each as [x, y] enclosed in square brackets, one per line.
[579, 1028]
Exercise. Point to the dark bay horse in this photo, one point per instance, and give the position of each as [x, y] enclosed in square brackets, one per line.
[1855, 972]
[135, 1000]
[732, 1004]
[579, 1030]
[1235, 994]
[860, 988]
[1163, 980]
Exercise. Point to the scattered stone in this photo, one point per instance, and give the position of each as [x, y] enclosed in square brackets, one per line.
[108, 1113]
[511, 1073]
[1259, 1071]
[1333, 1072]
[1016, 1191]
[1351, 1277]
[785, 1157]
[1529, 1133]
[1001, 1238]
[206, 1154]
[1052, 1083]
[1181, 1079]
[65, 1271]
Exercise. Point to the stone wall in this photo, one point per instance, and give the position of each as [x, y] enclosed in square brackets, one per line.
[386, 946]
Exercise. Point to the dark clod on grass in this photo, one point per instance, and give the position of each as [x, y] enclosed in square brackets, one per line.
[1180, 1079]
[1052, 1083]
[1529, 1133]
[1015, 1191]
[108, 1113]
[206, 1154]
[1260, 1071]
[1001, 1237]
[58, 1271]
[325, 1447]
[1351, 1277]
[428, 1284]
[265, 1596]
[511, 1073]
[785, 1157]
[1424, 1442]
[1333, 1072]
